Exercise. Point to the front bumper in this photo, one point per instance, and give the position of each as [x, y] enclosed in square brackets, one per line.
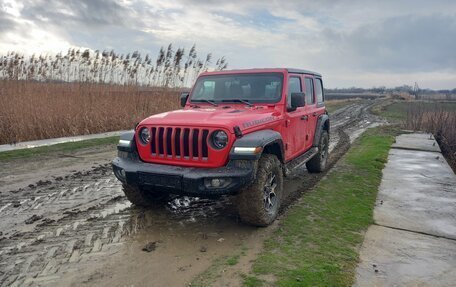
[185, 180]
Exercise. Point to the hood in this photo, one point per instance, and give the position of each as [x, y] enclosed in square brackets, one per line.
[241, 116]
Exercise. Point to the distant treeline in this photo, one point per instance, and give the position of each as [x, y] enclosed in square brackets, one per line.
[383, 90]
[172, 68]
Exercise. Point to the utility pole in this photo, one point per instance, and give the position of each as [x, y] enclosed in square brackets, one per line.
[416, 89]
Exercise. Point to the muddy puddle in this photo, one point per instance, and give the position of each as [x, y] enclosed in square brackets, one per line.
[79, 229]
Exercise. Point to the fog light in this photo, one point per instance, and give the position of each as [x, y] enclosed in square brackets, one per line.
[120, 174]
[217, 182]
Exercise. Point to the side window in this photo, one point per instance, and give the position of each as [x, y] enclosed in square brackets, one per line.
[319, 91]
[294, 86]
[310, 99]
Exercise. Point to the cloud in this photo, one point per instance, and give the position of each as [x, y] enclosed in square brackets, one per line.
[368, 40]
[82, 13]
[400, 44]
[6, 22]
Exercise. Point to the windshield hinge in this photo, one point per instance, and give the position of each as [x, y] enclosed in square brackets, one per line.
[237, 132]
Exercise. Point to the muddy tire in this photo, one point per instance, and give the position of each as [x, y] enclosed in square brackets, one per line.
[141, 197]
[318, 162]
[258, 204]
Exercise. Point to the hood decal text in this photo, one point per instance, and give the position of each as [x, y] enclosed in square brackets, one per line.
[257, 122]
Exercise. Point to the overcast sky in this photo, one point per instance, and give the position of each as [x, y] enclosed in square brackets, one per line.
[352, 43]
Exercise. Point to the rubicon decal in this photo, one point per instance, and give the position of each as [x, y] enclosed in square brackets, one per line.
[257, 122]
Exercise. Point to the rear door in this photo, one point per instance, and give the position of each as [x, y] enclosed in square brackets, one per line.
[311, 107]
[319, 108]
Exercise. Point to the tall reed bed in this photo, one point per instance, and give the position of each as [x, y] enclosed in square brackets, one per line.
[86, 91]
[172, 67]
[32, 110]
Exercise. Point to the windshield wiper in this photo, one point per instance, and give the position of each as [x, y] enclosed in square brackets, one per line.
[240, 101]
[206, 101]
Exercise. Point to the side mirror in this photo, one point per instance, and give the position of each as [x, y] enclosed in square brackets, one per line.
[184, 98]
[297, 100]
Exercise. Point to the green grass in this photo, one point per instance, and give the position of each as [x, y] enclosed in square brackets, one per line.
[232, 260]
[318, 241]
[57, 148]
[211, 274]
[395, 112]
[252, 281]
[215, 271]
[333, 105]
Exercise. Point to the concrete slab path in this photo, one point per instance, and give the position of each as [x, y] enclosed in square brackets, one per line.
[47, 142]
[413, 239]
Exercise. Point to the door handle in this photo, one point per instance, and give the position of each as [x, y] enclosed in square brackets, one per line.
[304, 118]
[314, 114]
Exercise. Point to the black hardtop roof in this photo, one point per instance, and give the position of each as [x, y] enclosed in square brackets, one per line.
[289, 70]
[301, 71]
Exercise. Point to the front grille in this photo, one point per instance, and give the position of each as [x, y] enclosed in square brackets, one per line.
[179, 143]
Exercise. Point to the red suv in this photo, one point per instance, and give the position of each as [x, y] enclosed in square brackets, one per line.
[239, 133]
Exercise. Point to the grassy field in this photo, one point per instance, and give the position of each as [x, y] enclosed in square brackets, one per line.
[37, 110]
[394, 112]
[57, 148]
[318, 241]
[333, 105]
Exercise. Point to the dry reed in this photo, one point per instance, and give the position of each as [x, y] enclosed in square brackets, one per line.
[36, 110]
[438, 119]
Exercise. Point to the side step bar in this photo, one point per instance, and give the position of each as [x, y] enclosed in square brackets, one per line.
[299, 161]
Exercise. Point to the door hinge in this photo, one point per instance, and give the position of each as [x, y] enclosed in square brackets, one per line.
[286, 146]
[287, 123]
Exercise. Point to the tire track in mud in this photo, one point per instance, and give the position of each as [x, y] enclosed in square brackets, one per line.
[84, 217]
[60, 226]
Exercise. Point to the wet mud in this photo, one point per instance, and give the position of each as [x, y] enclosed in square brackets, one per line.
[76, 229]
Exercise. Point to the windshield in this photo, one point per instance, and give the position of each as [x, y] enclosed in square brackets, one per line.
[247, 88]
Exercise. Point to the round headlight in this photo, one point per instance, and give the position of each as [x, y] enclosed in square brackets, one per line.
[144, 135]
[219, 139]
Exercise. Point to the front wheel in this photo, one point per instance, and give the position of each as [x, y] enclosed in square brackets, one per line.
[259, 203]
[318, 162]
[142, 197]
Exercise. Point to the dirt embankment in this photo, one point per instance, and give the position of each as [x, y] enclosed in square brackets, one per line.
[69, 223]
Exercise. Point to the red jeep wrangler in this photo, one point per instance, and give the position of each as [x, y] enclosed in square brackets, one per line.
[239, 133]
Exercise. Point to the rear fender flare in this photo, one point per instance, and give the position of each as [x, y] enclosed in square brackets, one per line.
[322, 124]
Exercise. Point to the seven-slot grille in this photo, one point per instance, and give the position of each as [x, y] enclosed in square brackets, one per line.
[179, 143]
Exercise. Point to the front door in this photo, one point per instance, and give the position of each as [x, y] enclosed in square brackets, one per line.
[296, 121]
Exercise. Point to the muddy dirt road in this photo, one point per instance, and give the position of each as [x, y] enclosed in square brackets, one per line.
[65, 222]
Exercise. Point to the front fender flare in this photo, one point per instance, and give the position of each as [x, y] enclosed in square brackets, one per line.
[262, 139]
[124, 139]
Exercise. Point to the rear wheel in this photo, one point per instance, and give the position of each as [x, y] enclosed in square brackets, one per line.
[259, 203]
[142, 197]
[318, 162]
